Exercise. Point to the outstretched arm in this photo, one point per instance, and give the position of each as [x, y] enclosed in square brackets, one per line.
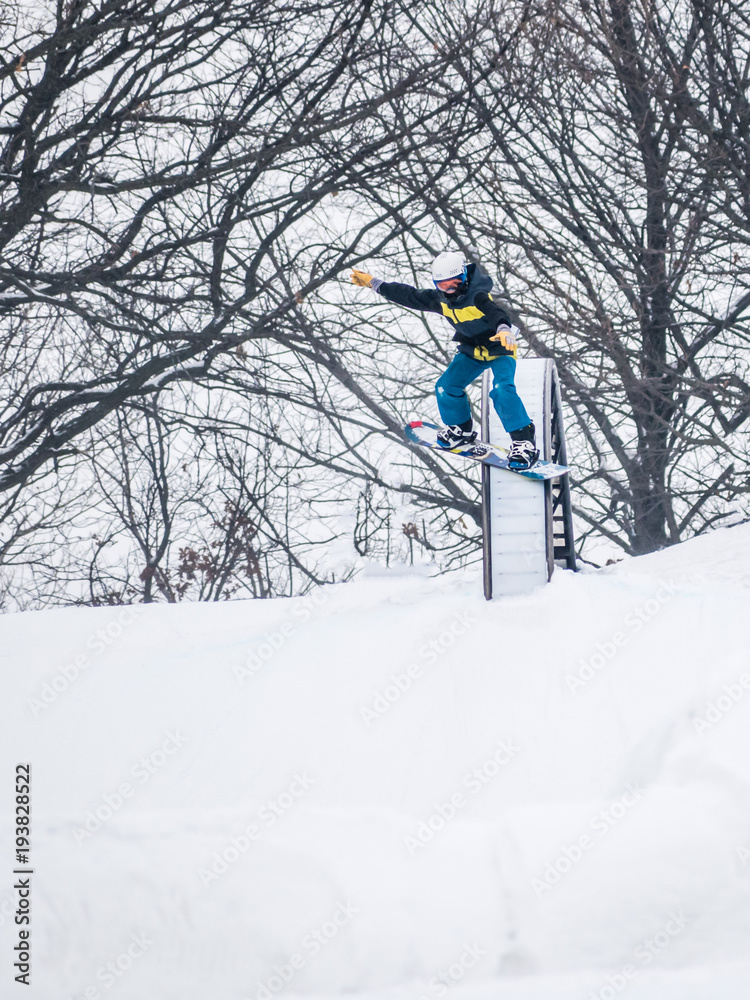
[422, 299]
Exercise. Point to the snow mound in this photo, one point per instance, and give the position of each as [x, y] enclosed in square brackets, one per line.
[392, 788]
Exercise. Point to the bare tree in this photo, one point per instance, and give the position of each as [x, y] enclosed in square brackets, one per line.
[194, 511]
[583, 183]
[184, 188]
[174, 182]
[159, 167]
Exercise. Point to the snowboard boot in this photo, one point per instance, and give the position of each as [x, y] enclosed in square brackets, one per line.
[523, 453]
[456, 435]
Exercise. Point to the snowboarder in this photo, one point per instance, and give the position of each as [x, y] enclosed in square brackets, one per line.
[485, 340]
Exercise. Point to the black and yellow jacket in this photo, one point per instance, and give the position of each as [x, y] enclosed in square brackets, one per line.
[473, 314]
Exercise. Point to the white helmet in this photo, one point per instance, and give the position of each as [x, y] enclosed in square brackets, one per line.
[447, 265]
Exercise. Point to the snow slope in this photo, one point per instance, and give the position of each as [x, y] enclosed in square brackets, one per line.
[391, 788]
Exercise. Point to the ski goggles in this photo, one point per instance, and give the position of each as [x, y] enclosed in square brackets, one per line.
[451, 284]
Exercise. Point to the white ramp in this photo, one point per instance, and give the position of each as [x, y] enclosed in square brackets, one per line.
[524, 519]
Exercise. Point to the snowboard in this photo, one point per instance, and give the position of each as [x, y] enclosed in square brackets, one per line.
[420, 432]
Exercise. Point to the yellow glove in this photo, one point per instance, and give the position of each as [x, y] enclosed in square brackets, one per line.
[506, 337]
[361, 278]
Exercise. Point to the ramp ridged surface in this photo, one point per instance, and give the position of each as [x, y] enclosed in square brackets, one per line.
[517, 518]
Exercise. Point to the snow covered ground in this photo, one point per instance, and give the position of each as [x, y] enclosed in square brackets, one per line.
[390, 788]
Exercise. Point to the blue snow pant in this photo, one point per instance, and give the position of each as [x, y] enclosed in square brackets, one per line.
[454, 404]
